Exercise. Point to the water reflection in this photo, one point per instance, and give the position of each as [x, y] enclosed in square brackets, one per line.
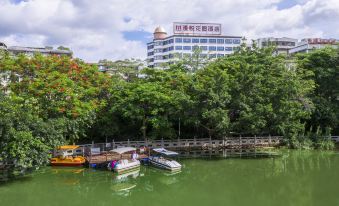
[292, 177]
[122, 184]
[229, 153]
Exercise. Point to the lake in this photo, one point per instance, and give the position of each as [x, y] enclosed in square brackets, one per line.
[293, 178]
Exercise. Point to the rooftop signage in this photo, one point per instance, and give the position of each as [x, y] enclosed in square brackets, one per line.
[196, 28]
[321, 41]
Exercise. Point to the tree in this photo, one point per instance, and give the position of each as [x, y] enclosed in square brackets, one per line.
[144, 102]
[64, 88]
[324, 64]
[25, 138]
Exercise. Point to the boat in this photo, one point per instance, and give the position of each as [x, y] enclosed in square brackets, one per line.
[124, 165]
[66, 156]
[158, 160]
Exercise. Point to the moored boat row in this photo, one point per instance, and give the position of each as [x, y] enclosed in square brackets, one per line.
[66, 156]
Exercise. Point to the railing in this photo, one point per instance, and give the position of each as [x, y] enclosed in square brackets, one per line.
[238, 142]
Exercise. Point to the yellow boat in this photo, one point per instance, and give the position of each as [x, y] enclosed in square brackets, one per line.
[66, 157]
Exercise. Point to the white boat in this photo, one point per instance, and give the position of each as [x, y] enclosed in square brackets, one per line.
[162, 162]
[124, 165]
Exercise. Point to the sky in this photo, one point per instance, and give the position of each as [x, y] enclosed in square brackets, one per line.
[120, 29]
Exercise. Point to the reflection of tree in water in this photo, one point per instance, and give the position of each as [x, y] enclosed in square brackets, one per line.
[290, 179]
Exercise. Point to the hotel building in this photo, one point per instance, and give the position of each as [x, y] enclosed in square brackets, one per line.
[186, 38]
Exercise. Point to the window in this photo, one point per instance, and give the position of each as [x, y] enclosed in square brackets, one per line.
[178, 47]
[203, 40]
[170, 41]
[178, 40]
[195, 40]
[213, 56]
[203, 55]
[236, 48]
[228, 49]
[213, 41]
[186, 55]
[150, 47]
[150, 54]
[236, 41]
[195, 48]
[221, 55]
[220, 41]
[228, 41]
[187, 47]
[158, 43]
[170, 48]
[212, 48]
[170, 56]
[204, 48]
[220, 48]
[187, 40]
[158, 57]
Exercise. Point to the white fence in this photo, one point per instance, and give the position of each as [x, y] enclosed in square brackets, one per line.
[189, 143]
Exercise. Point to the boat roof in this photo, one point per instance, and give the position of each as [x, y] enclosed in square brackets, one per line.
[165, 151]
[122, 150]
[67, 147]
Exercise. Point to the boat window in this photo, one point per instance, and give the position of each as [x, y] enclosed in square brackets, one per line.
[69, 151]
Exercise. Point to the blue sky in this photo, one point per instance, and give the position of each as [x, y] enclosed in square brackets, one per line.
[119, 29]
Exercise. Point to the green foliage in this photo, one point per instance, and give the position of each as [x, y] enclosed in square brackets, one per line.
[324, 64]
[25, 138]
[55, 100]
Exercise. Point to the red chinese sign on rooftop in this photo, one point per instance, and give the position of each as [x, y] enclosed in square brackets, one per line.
[321, 41]
[196, 28]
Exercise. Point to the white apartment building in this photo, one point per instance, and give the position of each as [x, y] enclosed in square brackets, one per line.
[186, 38]
[307, 45]
[283, 45]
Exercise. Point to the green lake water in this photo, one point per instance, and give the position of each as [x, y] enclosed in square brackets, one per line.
[294, 178]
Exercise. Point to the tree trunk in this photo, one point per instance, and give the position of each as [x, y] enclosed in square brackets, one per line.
[144, 128]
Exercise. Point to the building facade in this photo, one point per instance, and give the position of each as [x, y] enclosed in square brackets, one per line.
[31, 51]
[282, 45]
[186, 38]
[307, 45]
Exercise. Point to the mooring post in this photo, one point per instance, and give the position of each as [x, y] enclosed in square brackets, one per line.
[269, 140]
[128, 142]
[113, 144]
[90, 155]
[240, 145]
[255, 141]
[162, 142]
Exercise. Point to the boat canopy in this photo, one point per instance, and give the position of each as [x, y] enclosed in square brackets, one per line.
[68, 147]
[165, 151]
[122, 150]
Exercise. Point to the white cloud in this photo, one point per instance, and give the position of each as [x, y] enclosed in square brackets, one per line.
[94, 30]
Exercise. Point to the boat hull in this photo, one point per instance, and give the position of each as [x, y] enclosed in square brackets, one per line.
[164, 166]
[67, 164]
[127, 166]
[127, 169]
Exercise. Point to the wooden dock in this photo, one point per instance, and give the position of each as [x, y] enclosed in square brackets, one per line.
[98, 155]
